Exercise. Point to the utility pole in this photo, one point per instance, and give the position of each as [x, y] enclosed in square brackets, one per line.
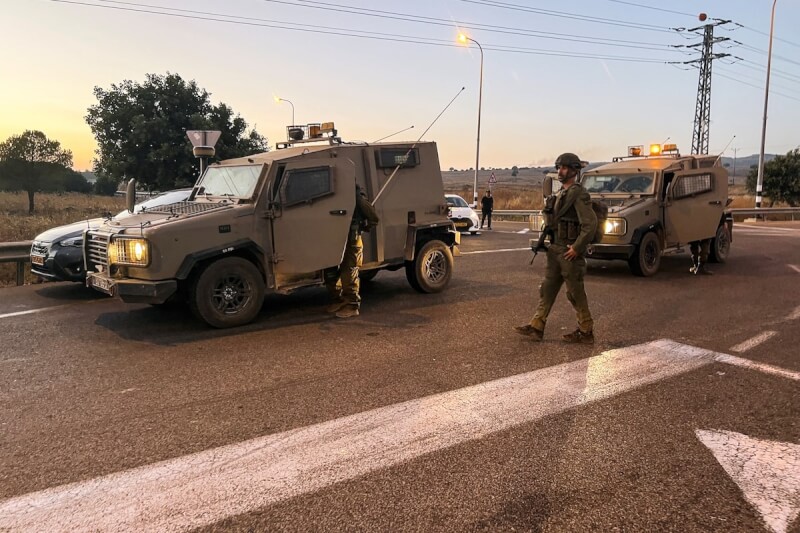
[702, 114]
[733, 175]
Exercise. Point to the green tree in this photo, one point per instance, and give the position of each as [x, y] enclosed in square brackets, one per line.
[140, 130]
[781, 181]
[31, 162]
[105, 186]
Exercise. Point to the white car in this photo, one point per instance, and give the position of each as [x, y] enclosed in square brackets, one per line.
[463, 216]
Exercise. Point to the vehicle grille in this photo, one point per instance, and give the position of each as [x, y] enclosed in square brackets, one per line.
[96, 249]
[39, 248]
[184, 208]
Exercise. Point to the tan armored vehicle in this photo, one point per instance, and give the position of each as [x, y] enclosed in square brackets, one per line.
[274, 222]
[657, 204]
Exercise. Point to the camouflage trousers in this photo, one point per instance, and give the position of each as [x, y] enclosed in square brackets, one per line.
[559, 271]
[343, 282]
[700, 249]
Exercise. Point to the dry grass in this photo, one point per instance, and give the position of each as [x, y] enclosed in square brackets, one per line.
[51, 210]
[505, 197]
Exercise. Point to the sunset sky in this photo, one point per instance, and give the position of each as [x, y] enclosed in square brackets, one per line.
[589, 76]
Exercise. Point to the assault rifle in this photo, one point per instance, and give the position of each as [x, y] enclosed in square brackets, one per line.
[540, 244]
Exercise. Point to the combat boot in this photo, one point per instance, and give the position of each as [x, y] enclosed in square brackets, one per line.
[579, 337]
[530, 331]
[347, 311]
[701, 269]
[695, 263]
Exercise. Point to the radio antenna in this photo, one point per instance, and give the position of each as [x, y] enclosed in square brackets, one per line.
[393, 134]
[405, 158]
[723, 150]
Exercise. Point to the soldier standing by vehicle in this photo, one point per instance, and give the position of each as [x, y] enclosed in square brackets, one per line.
[343, 283]
[699, 251]
[574, 224]
[487, 206]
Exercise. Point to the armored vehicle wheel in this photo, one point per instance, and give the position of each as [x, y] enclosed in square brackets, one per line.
[431, 269]
[367, 275]
[720, 245]
[647, 257]
[228, 293]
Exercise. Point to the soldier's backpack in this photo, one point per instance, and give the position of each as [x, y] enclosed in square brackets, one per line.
[601, 212]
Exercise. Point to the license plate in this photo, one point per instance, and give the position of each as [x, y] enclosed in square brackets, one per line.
[37, 260]
[462, 224]
[101, 284]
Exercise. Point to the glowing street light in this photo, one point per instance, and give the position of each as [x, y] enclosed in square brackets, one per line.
[278, 100]
[462, 38]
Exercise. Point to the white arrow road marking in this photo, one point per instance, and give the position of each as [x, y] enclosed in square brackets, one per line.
[767, 472]
[761, 367]
[31, 311]
[206, 487]
[755, 341]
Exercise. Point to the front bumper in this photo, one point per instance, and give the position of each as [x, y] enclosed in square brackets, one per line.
[133, 290]
[610, 251]
[56, 263]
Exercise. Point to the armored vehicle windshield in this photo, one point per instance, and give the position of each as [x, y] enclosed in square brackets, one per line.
[639, 183]
[230, 181]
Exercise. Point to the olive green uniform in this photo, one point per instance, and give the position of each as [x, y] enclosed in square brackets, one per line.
[574, 223]
[343, 283]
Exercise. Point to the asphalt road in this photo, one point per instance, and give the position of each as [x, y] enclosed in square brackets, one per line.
[426, 413]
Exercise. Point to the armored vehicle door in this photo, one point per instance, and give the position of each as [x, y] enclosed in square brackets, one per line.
[313, 203]
[694, 204]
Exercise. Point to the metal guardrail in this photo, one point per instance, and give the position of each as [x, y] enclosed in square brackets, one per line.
[736, 211]
[19, 253]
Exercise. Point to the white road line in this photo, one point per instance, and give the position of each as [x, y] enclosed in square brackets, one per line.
[31, 311]
[795, 268]
[763, 228]
[526, 230]
[496, 251]
[755, 341]
[206, 487]
[794, 315]
[761, 367]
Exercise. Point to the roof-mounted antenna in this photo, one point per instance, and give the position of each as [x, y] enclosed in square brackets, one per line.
[723, 150]
[414, 146]
[393, 134]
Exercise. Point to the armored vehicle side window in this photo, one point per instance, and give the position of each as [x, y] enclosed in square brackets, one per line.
[391, 157]
[619, 183]
[304, 185]
[691, 185]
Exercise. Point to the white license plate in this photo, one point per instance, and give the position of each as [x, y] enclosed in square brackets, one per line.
[101, 284]
[37, 260]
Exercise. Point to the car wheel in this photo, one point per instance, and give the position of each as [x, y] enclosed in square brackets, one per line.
[228, 293]
[432, 268]
[647, 257]
[720, 245]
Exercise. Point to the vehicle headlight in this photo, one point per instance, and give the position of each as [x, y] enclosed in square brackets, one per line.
[74, 241]
[129, 251]
[615, 226]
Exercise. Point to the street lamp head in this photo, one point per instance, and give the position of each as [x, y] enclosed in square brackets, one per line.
[277, 99]
[462, 38]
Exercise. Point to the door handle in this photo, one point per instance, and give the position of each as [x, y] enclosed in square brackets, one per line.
[338, 212]
[715, 202]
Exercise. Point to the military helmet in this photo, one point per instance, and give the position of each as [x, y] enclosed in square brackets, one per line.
[570, 160]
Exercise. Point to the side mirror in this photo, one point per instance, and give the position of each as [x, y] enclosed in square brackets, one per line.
[547, 186]
[130, 195]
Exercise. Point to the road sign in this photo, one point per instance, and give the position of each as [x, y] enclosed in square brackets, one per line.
[492, 179]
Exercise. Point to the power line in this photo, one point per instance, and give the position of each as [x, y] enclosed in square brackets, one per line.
[419, 19]
[767, 34]
[566, 15]
[653, 8]
[380, 36]
[756, 86]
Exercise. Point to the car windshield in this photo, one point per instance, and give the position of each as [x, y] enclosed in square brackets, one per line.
[231, 181]
[641, 183]
[456, 201]
[166, 198]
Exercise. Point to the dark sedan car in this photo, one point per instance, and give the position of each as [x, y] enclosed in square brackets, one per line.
[57, 254]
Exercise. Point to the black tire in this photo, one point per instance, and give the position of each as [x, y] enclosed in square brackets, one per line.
[367, 275]
[432, 268]
[227, 293]
[647, 257]
[720, 245]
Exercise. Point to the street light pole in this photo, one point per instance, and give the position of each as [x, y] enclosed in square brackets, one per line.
[760, 180]
[279, 100]
[463, 38]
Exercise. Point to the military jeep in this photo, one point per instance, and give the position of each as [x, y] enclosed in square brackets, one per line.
[275, 222]
[657, 204]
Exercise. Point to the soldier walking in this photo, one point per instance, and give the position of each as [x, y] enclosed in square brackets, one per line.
[487, 206]
[343, 283]
[574, 223]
